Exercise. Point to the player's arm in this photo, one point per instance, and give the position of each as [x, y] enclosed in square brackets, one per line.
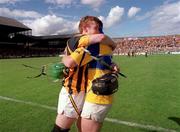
[68, 61]
[96, 38]
[115, 68]
[107, 40]
[77, 58]
[87, 40]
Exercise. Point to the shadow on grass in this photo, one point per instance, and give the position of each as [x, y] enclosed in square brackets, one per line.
[175, 119]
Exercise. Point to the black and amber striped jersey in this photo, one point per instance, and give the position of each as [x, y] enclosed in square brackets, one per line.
[76, 78]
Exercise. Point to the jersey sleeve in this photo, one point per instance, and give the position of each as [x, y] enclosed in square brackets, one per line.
[84, 41]
[80, 57]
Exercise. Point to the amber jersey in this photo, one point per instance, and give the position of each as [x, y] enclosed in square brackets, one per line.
[75, 79]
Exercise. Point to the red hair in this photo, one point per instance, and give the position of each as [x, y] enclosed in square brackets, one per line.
[86, 21]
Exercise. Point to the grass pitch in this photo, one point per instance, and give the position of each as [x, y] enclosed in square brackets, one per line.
[149, 96]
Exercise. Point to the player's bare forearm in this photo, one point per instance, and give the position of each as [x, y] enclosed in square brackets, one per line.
[68, 61]
[101, 38]
[96, 38]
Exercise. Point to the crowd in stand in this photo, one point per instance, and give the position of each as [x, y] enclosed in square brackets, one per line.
[125, 46]
[150, 45]
[20, 52]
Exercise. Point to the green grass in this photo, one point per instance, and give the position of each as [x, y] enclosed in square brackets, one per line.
[149, 95]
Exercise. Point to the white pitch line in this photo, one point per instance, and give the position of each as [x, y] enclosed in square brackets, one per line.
[131, 124]
[27, 102]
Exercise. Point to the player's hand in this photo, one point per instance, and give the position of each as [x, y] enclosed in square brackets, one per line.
[115, 68]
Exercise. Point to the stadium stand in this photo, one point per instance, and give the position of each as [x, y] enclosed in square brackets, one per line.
[16, 41]
[12, 35]
[148, 45]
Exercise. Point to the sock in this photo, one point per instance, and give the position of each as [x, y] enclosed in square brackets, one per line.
[59, 129]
